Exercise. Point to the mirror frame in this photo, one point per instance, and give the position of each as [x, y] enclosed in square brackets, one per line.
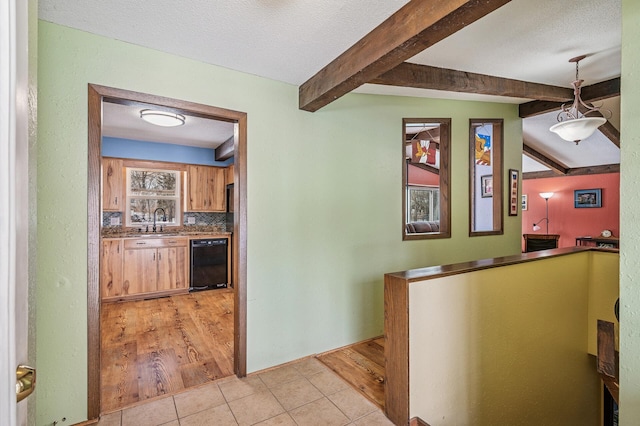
[497, 169]
[445, 179]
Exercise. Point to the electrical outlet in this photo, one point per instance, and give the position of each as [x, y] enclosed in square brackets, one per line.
[191, 220]
[114, 221]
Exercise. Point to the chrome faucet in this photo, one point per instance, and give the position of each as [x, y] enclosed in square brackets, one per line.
[164, 218]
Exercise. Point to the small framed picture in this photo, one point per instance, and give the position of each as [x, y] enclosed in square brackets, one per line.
[514, 176]
[486, 186]
[587, 198]
[525, 204]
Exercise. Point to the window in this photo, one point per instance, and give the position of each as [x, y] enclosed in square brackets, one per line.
[424, 203]
[153, 192]
[425, 178]
[485, 185]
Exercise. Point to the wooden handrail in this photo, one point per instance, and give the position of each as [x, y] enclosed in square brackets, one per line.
[607, 365]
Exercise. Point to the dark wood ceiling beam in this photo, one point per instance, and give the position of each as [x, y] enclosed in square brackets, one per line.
[611, 132]
[578, 171]
[416, 26]
[428, 77]
[599, 91]
[593, 93]
[226, 150]
[556, 168]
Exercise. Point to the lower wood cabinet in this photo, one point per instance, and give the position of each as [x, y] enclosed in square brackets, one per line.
[150, 267]
[111, 269]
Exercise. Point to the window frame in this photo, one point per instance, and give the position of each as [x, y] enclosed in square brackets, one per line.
[444, 179]
[434, 193]
[497, 172]
[177, 197]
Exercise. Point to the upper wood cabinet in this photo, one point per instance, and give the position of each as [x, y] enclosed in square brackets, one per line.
[229, 174]
[205, 189]
[112, 184]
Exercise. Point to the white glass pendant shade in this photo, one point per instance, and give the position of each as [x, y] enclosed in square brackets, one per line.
[578, 129]
[536, 227]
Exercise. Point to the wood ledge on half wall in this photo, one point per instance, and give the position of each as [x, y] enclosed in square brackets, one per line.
[432, 272]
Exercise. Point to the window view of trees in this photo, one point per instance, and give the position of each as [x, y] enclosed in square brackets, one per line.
[423, 204]
[149, 190]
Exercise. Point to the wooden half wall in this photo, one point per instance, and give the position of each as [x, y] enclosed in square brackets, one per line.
[498, 341]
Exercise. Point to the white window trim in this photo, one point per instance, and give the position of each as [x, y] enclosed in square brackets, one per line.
[177, 197]
[435, 194]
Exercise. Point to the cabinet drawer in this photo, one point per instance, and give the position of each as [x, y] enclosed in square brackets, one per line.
[155, 242]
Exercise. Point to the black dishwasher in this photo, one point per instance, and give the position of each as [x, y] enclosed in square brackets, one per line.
[208, 264]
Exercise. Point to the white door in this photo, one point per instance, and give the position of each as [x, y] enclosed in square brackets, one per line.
[14, 205]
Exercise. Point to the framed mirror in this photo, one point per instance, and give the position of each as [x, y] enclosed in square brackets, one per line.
[485, 173]
[426, 178]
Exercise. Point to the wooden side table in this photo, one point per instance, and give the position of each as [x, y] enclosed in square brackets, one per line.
[536, 242]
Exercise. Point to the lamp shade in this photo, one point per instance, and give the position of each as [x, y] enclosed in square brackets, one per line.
[577, 129]
[546, 195]
[536, 227]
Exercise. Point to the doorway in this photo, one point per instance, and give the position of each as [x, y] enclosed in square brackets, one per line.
[96, 96]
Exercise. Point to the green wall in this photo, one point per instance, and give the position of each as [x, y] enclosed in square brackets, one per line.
[324, 203]
[630, 216]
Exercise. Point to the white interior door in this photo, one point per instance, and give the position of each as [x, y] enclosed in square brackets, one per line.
[14, 205]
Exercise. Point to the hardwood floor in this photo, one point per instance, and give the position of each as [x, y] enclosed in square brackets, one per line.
[160, 346]
[362, 366]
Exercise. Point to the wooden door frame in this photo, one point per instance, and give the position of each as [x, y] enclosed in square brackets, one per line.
[239, 238]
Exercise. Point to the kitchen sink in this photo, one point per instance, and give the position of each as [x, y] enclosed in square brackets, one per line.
[152, 234]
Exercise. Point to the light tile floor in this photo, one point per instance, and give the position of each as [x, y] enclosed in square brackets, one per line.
[303, 393]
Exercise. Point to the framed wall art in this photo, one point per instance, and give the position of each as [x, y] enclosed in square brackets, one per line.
[587, 198]
[514, 177]
[525, 202]
[486, 186]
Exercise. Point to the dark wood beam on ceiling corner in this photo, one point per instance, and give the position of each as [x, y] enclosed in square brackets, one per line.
[556, 168]
[225, 151]
[611, 132]
[593, 93]
[416, 26]
[428, 77]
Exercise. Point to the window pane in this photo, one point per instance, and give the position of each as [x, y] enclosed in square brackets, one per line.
[156, 183]
[423, 204]
[142, 210]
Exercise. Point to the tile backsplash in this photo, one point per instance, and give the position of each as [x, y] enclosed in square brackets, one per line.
[222, 220]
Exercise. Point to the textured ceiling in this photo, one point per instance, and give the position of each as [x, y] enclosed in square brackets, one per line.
[291, 40]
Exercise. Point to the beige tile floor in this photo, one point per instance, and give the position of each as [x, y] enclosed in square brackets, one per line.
[303, 393]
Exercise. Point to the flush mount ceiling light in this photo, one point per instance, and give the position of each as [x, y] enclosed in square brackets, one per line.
[573, 123]
[162, 118]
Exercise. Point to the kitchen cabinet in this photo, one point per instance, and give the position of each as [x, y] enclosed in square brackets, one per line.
[153, 267]
[111, 269]
[205, 189]
[112, 184]
[229, 174]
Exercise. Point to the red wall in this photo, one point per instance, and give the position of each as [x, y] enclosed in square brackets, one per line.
[418, 176]
[566, 220]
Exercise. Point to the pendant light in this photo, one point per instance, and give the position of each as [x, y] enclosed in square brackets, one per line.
[573, 123]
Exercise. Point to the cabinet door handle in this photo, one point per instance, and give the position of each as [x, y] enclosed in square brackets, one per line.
[159, 256]
[141, 243]
[116, 201]
[154, 257]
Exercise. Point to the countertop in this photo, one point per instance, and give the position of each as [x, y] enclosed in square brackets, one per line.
[190, 231]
